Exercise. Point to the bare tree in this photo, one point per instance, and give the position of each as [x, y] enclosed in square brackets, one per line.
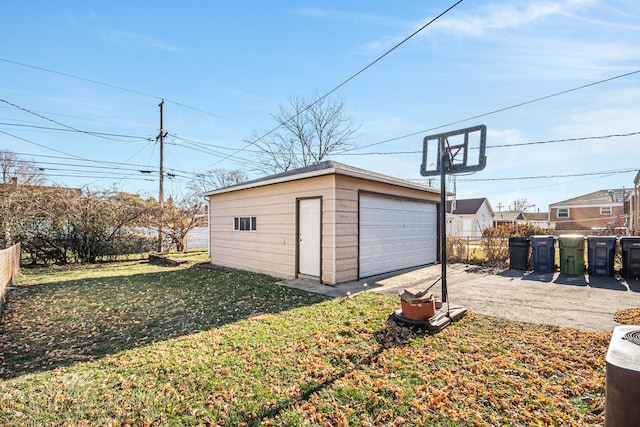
[217, 178]
[522, 205]
[24, 171]
[309, 131]
[182, 216]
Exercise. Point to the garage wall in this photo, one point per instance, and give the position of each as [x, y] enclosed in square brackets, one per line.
[271, 248]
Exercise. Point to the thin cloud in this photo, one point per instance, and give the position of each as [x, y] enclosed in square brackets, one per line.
[137, 40]
[505, 16]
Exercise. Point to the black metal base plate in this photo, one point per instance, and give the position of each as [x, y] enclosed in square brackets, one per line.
[438, 322]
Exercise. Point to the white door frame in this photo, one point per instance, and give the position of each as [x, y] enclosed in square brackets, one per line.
[309, 259]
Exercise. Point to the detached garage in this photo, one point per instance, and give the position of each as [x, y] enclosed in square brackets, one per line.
[328, 222]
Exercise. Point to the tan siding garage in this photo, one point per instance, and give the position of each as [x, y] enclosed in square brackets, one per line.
[396, 233]
[362, 223]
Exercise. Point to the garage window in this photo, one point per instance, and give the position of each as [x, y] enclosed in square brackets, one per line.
[563, 213]
[606, 210]
[244, 223]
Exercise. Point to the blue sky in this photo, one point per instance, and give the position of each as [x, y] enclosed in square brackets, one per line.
[71, 69]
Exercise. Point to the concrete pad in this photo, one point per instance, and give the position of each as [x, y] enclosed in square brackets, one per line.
[581, 302]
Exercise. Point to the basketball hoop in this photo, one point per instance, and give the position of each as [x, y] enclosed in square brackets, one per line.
[459, 151]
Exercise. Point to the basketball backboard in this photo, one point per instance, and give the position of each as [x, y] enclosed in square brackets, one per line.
[464, 151]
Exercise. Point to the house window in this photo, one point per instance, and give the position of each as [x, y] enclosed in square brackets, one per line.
[244, 223]
[606, 210]
[563, 213]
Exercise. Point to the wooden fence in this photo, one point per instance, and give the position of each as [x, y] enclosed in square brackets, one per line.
[9, 267]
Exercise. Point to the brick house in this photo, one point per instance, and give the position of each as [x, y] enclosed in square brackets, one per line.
[587, 213]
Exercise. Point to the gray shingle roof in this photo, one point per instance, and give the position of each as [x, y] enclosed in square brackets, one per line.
[596, 198]
[466, 206]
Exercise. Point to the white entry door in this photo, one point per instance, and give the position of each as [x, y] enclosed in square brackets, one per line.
[309, 230]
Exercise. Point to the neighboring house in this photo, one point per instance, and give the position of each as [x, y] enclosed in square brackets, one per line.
[508, 218]
[593, 211]
[539, 219]
[469, 217]
[328, 222]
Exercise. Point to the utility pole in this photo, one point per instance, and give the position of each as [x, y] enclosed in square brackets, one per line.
[161, 191]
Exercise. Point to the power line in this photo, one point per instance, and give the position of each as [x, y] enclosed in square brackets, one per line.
[43, 146]
[610, 172]
[74, 130]
[362, 70]
[73, 158]
[112, 86]
[585, 138]
[517, 144]
[55, 121]
[499, 110]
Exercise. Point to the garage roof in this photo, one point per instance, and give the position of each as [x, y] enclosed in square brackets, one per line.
[328, 167]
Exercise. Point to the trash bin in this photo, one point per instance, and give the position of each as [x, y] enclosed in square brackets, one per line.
[571, 253]
[630, 257]
[544, 254]
[518, 253]
[601, 253]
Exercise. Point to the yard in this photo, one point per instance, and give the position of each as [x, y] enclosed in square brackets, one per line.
[134, 344]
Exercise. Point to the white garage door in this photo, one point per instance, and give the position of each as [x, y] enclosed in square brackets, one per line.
[396, 234]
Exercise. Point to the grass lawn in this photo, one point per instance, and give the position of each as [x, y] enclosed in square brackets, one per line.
[134, 344]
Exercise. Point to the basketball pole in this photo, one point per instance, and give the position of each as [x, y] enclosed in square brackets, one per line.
[443, 216]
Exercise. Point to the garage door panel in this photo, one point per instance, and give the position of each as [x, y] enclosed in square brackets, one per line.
[396, 234]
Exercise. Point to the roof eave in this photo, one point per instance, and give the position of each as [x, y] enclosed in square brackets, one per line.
[321, 172]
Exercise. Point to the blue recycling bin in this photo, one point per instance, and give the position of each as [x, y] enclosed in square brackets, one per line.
[544, 254]
[630, 257]
[601, 253]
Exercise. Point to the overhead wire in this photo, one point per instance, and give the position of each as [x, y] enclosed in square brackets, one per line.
[121, 88]
[499, 110]
[609, 172]
[516, 144]
[74, 130]
[332, 91]
[55, 121]
[353, 76]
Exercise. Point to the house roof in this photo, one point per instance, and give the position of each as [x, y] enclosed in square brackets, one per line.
[597, 198]
[508, 216]
[537, 216]
[328, 167]
[468, 206]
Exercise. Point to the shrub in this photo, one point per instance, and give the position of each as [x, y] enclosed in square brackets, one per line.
[495, 241]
